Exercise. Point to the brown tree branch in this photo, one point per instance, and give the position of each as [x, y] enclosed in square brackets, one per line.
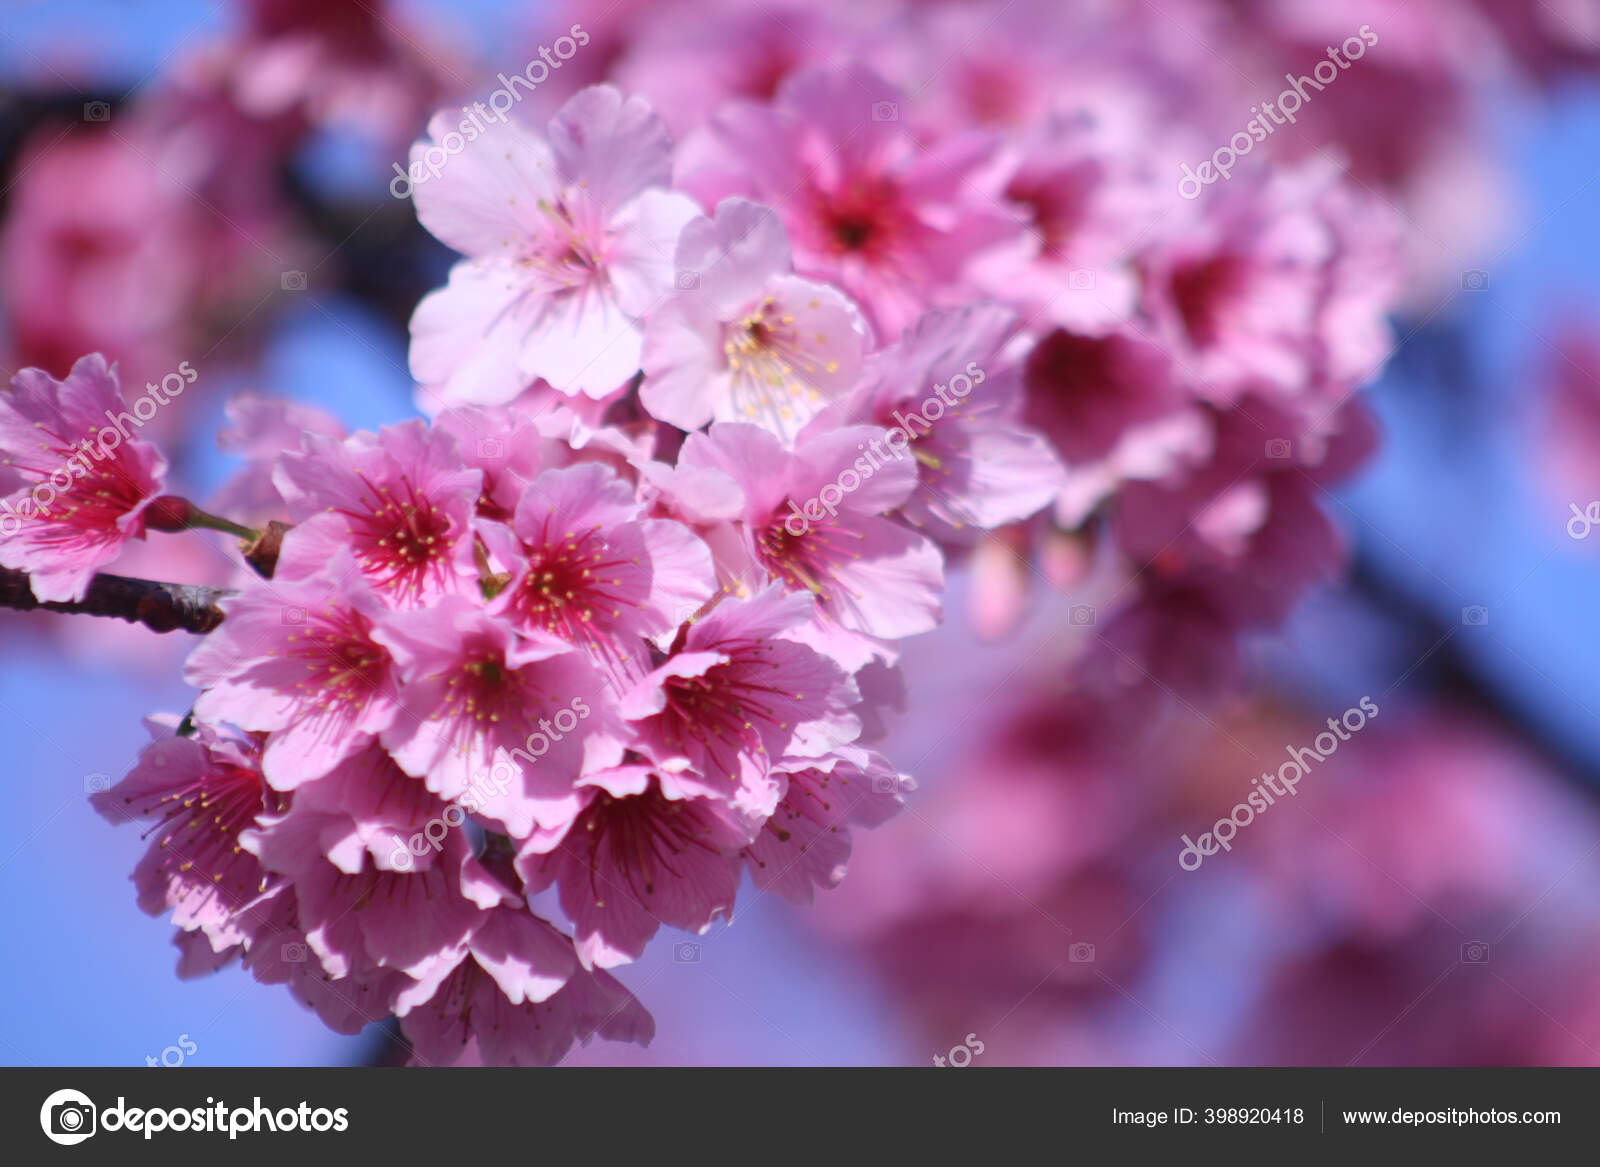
[161, 607]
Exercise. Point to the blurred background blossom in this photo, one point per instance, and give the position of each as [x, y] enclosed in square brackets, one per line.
[189, 182]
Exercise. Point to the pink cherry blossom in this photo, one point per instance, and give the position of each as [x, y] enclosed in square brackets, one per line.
[402, 500]
[1279, 288]
[516, 993]
[415, 922]
[200, 792]
[344, 62]
[87, 482]
[805, 845]
[504, 443]
[734, 51]
[259, 430]
[894, 226]
[1252, 530]
[949, 387]
[1090, 202]
[367, 805]
[737, 698]
[587, 567]
[1114, 409]
[478, 701]
[719, 449]
[298, 661]
[635, 859]
[872, 577]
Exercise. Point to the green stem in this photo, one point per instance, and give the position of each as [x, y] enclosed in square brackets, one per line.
[200, 518]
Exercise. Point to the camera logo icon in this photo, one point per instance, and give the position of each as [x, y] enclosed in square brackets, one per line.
[491, 449]
[1081, 953]
[68, 1117]
[1081, 615]
[294, 614]
[1279, 449]
[686, 953]
[886, 784]
[96, 783]
[885, 111]
[1475, 614]
[687, 281]
[293, 952]
[1081, 279]
[294, 281]
[96, 111]
[1476, 280]
[1475, 952]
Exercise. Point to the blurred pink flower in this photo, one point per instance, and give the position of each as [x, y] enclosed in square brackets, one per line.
[896, 227]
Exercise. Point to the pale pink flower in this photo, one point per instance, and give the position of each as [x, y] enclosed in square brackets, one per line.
[733, 50]
[748, 341]
[570, 238]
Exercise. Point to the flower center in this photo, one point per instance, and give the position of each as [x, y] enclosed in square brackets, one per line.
[402, 540]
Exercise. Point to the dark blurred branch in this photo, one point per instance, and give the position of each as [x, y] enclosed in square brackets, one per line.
[1454, 677]
[161, 607]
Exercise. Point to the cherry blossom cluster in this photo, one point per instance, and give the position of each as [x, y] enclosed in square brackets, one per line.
[496, 657]
[528, 678]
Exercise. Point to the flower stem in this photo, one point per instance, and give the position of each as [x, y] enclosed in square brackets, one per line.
[226, 526]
